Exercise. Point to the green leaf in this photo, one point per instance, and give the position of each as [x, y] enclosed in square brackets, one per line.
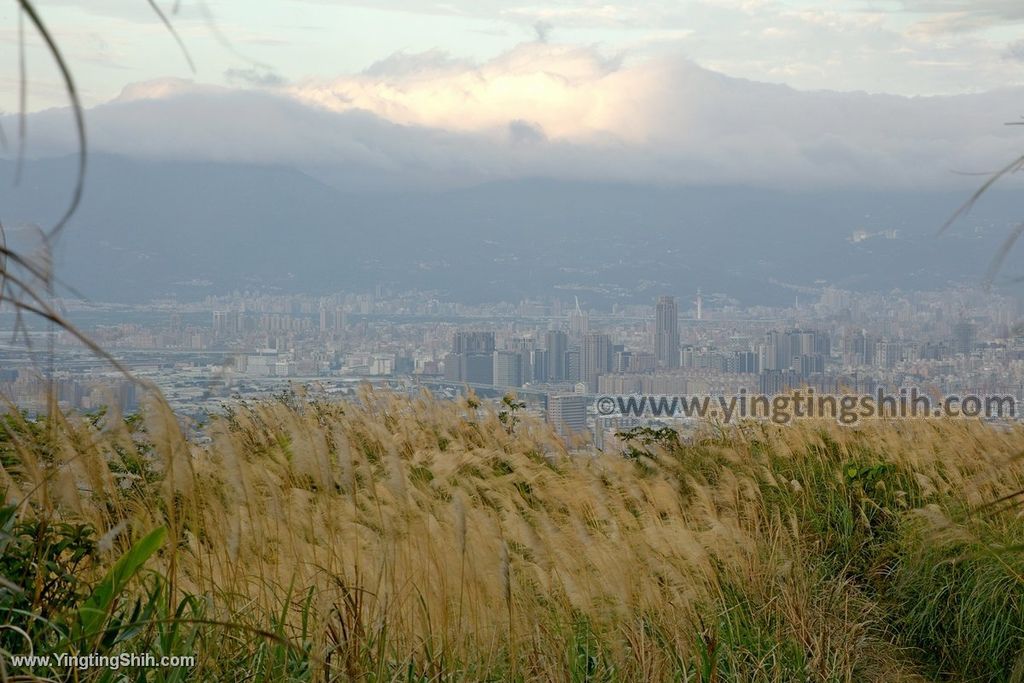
[93, 613]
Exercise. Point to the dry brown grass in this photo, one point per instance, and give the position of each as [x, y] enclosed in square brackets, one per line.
[395, 536]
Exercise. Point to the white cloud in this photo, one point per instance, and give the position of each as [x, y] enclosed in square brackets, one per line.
[549, 110]
[896, 46]
[572, 93]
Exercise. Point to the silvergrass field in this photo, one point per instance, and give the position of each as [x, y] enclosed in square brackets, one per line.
[398, 539]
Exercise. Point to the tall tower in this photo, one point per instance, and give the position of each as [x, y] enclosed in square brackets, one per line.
[579, 323]
[666, 332]
[700, 305]
[596, 358]
[965, 335]
[325, 321]
[557, 343]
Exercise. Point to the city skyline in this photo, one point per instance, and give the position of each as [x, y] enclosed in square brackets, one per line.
[204, 353]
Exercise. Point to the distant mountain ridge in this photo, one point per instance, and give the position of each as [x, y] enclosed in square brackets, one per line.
[148, 229]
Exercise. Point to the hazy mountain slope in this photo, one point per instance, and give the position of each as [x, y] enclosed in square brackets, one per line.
[190, 228]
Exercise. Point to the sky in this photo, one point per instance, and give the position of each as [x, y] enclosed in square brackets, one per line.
[909, 47]
[907, 91]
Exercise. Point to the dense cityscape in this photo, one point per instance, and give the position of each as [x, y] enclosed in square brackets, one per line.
[555, 354]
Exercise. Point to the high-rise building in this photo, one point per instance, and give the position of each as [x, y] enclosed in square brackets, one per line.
[567, 413]
[452, 368]
[508, 369]
[746, 362]
[331, 319]
[596, 358]
[772, 382]
[666, 333]
[540, 365]
[226, 323]
[811, 364]
[579, 322]
[964, 337]
[473, 342]
[524, 346]
[641, 361]
[325, 318]
[622, 361]
[476, 368]
[776, 354]
[888, 353]
[557, 343]
[795, 349]
[858, 348]
[471, 359]
[573, 361]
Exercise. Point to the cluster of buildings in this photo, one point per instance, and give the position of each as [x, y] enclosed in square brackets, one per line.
[549, 351]
[603, 364]
[33, 391]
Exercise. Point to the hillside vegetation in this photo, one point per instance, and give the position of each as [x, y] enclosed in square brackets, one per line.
[419, 540]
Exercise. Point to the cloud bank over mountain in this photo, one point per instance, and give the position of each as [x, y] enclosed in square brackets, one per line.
[556, 111]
